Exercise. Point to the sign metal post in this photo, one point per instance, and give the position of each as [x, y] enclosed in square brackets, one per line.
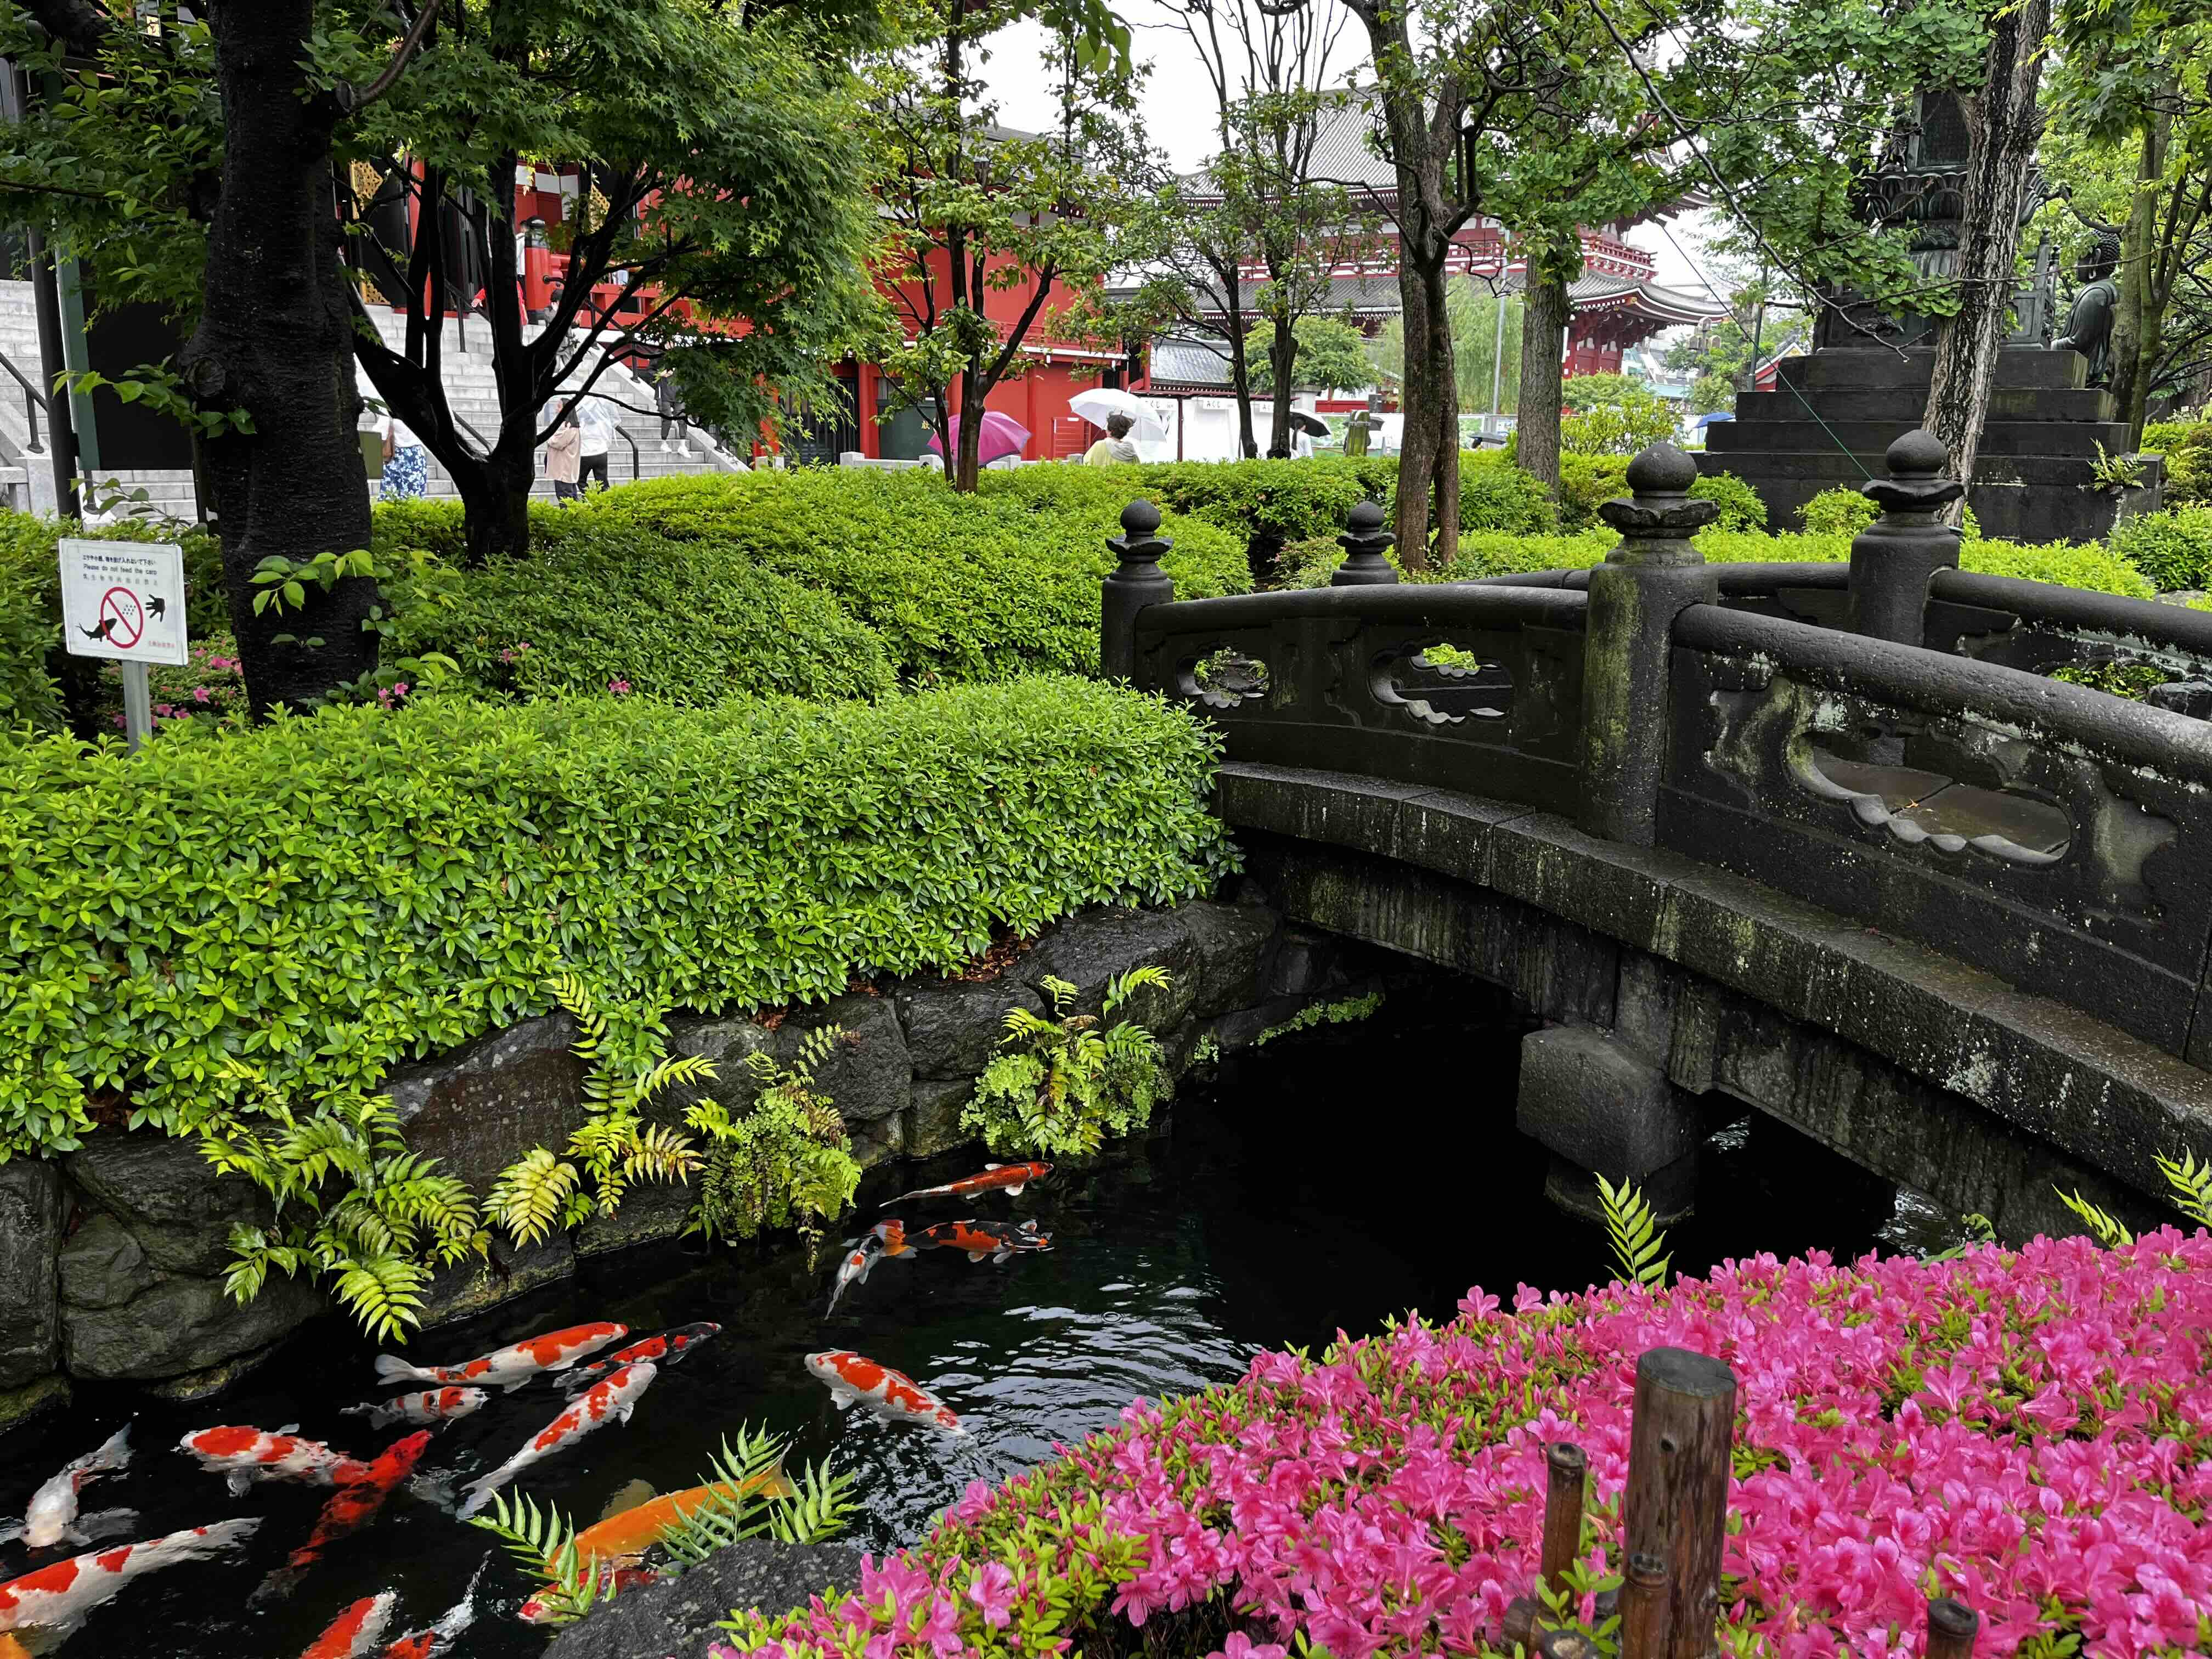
[125, 601]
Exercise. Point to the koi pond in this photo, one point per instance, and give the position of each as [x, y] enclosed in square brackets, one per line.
[1321, 1183]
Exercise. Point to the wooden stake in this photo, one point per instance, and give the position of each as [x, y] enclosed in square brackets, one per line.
[1676, 1504]
[1642, 1633]
[1951, 1627]
[1568, 1467]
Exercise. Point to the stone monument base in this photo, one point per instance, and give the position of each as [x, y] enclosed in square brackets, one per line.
[1834, 413]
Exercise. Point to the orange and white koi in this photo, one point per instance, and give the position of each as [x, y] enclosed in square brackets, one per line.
[432, 1406]
[665, 1349]
[982, 1238]
[355, 1631]
[350, 1509]
[52, 1518]
[612, 1397]
[244, 1455]
[852, 1270]
[1007, 1177]
[615, 1544]
[890, 1395]
[54, 1601]
[428, 1643]
[510, 1367]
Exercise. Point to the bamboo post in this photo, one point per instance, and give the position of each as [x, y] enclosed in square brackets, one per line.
[1567, 1468]
[1643, 1607]
[1675, 1509]
[1951, 1628]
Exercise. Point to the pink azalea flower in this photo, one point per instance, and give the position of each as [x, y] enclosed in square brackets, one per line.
[620, 688]
[992, 1590]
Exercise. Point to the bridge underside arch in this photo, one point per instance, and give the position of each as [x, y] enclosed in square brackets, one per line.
[1929, 1071]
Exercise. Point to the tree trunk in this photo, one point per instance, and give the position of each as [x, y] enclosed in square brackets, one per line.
[276, 340]
[1421, 394]
[1544, 314]
[1282, 362]
[1240, 377]
[2003, 125]
[2135, 321]
[970, 442]
[495, 499]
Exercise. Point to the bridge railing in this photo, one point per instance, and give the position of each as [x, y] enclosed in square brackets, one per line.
[1790, 724]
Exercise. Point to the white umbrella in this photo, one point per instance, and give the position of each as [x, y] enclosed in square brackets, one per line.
[1095, 404]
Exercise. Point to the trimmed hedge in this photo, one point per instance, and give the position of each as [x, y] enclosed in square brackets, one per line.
[2187, 447]
[2172, 547]
[953, 587]
[326, 896]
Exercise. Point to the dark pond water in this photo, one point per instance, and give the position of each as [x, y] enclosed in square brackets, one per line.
[1323, 1183]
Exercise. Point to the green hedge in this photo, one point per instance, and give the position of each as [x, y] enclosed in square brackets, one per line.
[953, 587]
[325, 896]
[2187, 447]
[2172, 547]
[33, 665]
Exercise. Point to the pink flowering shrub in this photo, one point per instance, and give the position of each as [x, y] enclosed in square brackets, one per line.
[212, 683]
[2026, 1431]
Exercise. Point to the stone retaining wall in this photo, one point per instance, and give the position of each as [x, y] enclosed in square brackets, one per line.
[112, 1258]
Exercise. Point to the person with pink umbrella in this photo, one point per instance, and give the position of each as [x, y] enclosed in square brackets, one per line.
[1002, 435]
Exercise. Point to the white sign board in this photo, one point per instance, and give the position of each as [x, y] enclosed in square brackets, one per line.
[124, 600]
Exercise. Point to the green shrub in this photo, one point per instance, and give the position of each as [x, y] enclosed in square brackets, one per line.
[325, 896]
[1741, 507]
[2187, 447]
[1062, 1083]
[599, 605]
[1585, 481]
[2172, 547]
[955, 588]
[1841, 511]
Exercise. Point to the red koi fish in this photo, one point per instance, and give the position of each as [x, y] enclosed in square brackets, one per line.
[432, 1406]
[510, 1367]
[54, 1600]
[892, 1395]
[665, 1349]
[350, 1508]
[982, 1238]
[1010, 1177]
[614, 1396]
[429, 1643]
[355, 1631]
[52, 1518]
[244, 1455]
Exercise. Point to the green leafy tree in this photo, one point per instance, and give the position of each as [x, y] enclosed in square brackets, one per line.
[728, 185]
[1482, 341]
[1330, 355]
[973, 209]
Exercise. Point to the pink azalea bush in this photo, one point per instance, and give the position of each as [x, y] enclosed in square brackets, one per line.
[2028, 1431]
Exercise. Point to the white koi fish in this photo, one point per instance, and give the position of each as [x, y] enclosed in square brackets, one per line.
[244, 1455]
[616, 1398]
[853, 1270]
[510, 1367]
[52, 1518]
[54, 1601]
[438, 1637]
[432, 1406]
[892, 1395]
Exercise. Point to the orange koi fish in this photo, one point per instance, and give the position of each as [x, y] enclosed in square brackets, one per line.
[54, 1601]
[244, 1455]
[510, 1367]
[892, 1395]
[52, 1518]
[355, 1631]
[982, 1238]
[615, 1396]
[350, 1508]
[1012, 1177]
[432, 1406]
[668, 1347]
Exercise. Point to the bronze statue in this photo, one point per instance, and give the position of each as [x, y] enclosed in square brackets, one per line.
[2089, 325]
[1359, 430]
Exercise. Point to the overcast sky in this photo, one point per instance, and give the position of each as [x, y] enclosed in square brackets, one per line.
[1178, 105]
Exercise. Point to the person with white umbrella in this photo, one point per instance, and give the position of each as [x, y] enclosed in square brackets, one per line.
[1099, 406]
[1115, 449]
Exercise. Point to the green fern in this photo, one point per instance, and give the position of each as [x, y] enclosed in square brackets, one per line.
[2108, 1231]
[2191, 1182]
[1062, 1083]
[543, 1545]
[1636, 1241]
[786, 1162]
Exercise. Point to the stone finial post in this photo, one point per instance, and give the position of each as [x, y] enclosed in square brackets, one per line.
[1365, 542]
[1133, 583]
[1893, 557]
[1654, 574]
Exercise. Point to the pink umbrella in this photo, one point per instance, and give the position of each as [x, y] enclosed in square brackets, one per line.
[1002, 435]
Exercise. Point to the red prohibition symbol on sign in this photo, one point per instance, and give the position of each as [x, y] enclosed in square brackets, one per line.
[122, 617]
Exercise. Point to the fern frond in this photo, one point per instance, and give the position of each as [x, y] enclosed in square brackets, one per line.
[1633, 1232]
[2107, 1231]
[1118, 991]
[820, 1504]
[532, 1194]
[543, 1545]
[2191, 1182]
[670, 1072]
[660, 1152]
[383, 1293]
[569, 990]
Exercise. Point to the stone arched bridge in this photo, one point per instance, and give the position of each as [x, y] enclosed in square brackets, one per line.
[1828, 841]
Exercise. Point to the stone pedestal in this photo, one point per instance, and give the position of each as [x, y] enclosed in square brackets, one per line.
[1603, 1110]
[1832, 414]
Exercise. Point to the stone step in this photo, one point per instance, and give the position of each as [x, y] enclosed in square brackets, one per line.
[2018, 366]
[1873, 437]
[1901, 407]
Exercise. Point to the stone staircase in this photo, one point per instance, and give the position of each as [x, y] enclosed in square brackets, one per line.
[469, 384]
